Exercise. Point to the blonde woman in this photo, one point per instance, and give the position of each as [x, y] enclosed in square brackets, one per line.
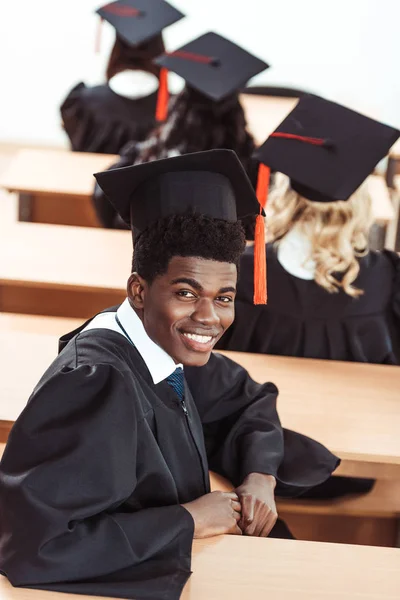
[329, 296]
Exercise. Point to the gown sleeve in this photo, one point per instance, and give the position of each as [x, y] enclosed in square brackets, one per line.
[105, 211]
[68, 467]
[243, 433]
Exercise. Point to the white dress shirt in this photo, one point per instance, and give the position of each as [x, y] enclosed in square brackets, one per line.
[158, 362]
[294, 254]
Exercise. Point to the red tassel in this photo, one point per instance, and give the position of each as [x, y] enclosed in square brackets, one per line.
[263, 184]
[163, 96]
[260, 263]
[97, 42]
[260, 256]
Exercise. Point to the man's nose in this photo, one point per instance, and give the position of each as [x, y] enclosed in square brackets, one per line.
[205, 313]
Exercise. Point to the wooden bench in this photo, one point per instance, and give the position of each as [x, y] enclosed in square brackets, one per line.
[55, 186]
[62, 271]
[240, 568]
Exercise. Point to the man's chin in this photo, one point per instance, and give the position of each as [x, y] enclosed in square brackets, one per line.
[198, 360]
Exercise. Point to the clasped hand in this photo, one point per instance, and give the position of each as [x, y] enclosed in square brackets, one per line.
[248, 510]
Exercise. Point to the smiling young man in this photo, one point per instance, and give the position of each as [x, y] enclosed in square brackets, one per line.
[104, 481]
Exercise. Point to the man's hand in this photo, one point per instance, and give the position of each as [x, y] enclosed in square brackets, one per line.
[257, 498]
[215, 514]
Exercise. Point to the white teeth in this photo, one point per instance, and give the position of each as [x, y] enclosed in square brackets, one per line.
[202, 339]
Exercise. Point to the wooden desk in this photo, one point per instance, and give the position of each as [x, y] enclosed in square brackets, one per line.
[62, 271]
[352, 408]
[253, 568]
[55, 186]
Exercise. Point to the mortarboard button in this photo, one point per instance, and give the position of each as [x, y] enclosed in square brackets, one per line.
[212, 65]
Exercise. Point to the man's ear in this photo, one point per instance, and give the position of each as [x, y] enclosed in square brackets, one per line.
[136, 290]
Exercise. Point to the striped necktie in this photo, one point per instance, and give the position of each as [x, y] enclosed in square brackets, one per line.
[177, 381]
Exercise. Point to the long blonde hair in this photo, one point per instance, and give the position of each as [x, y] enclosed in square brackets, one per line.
[338, 231]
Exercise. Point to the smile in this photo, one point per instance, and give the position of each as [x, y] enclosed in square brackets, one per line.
[201, 339]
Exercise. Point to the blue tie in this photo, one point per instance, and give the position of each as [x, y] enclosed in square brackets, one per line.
[177, 381]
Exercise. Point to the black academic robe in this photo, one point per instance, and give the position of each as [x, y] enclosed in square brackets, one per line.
[302, 319]
[96, 119]
[97, 465]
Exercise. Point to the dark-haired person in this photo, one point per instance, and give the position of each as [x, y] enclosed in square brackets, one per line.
[104, 118]
[104, 481]
[206, 115]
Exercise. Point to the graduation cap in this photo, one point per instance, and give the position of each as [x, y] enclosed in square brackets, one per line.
[327, 150]
[212, 183]
[212, 65]
[137, 21]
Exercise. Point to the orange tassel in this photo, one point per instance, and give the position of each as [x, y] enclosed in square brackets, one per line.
[263, 184]
[163, 96]
[260, 256]
[97, 42]
[260, 263]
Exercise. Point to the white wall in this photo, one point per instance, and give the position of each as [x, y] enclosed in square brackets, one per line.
[346, 50]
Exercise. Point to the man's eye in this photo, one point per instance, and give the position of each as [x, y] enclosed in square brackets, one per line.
[185, 294]
[225, 299]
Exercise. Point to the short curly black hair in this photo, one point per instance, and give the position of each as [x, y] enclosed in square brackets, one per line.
[186, 235]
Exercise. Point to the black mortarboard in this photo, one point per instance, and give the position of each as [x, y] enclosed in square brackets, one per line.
[327, 150]
[137, 21]
[213, 65]
[212, 183]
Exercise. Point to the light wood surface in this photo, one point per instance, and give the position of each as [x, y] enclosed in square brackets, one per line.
[62, 271]
[54, 171]
[352, 408]
[28, 324]
[60, 256]
[254, 568]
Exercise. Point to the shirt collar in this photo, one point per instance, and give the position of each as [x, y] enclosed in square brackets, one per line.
[159, 363]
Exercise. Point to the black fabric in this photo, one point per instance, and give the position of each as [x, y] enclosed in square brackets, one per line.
[99, 461]
[229, 69]
[212, 183]
[96, 119]
[302, 319]
[353, 145]
[338, 486]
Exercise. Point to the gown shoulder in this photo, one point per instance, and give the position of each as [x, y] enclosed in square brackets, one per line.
[96, 119]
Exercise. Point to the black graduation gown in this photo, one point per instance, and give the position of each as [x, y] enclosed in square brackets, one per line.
[98, 463]
[302, 319]
[96, 119]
